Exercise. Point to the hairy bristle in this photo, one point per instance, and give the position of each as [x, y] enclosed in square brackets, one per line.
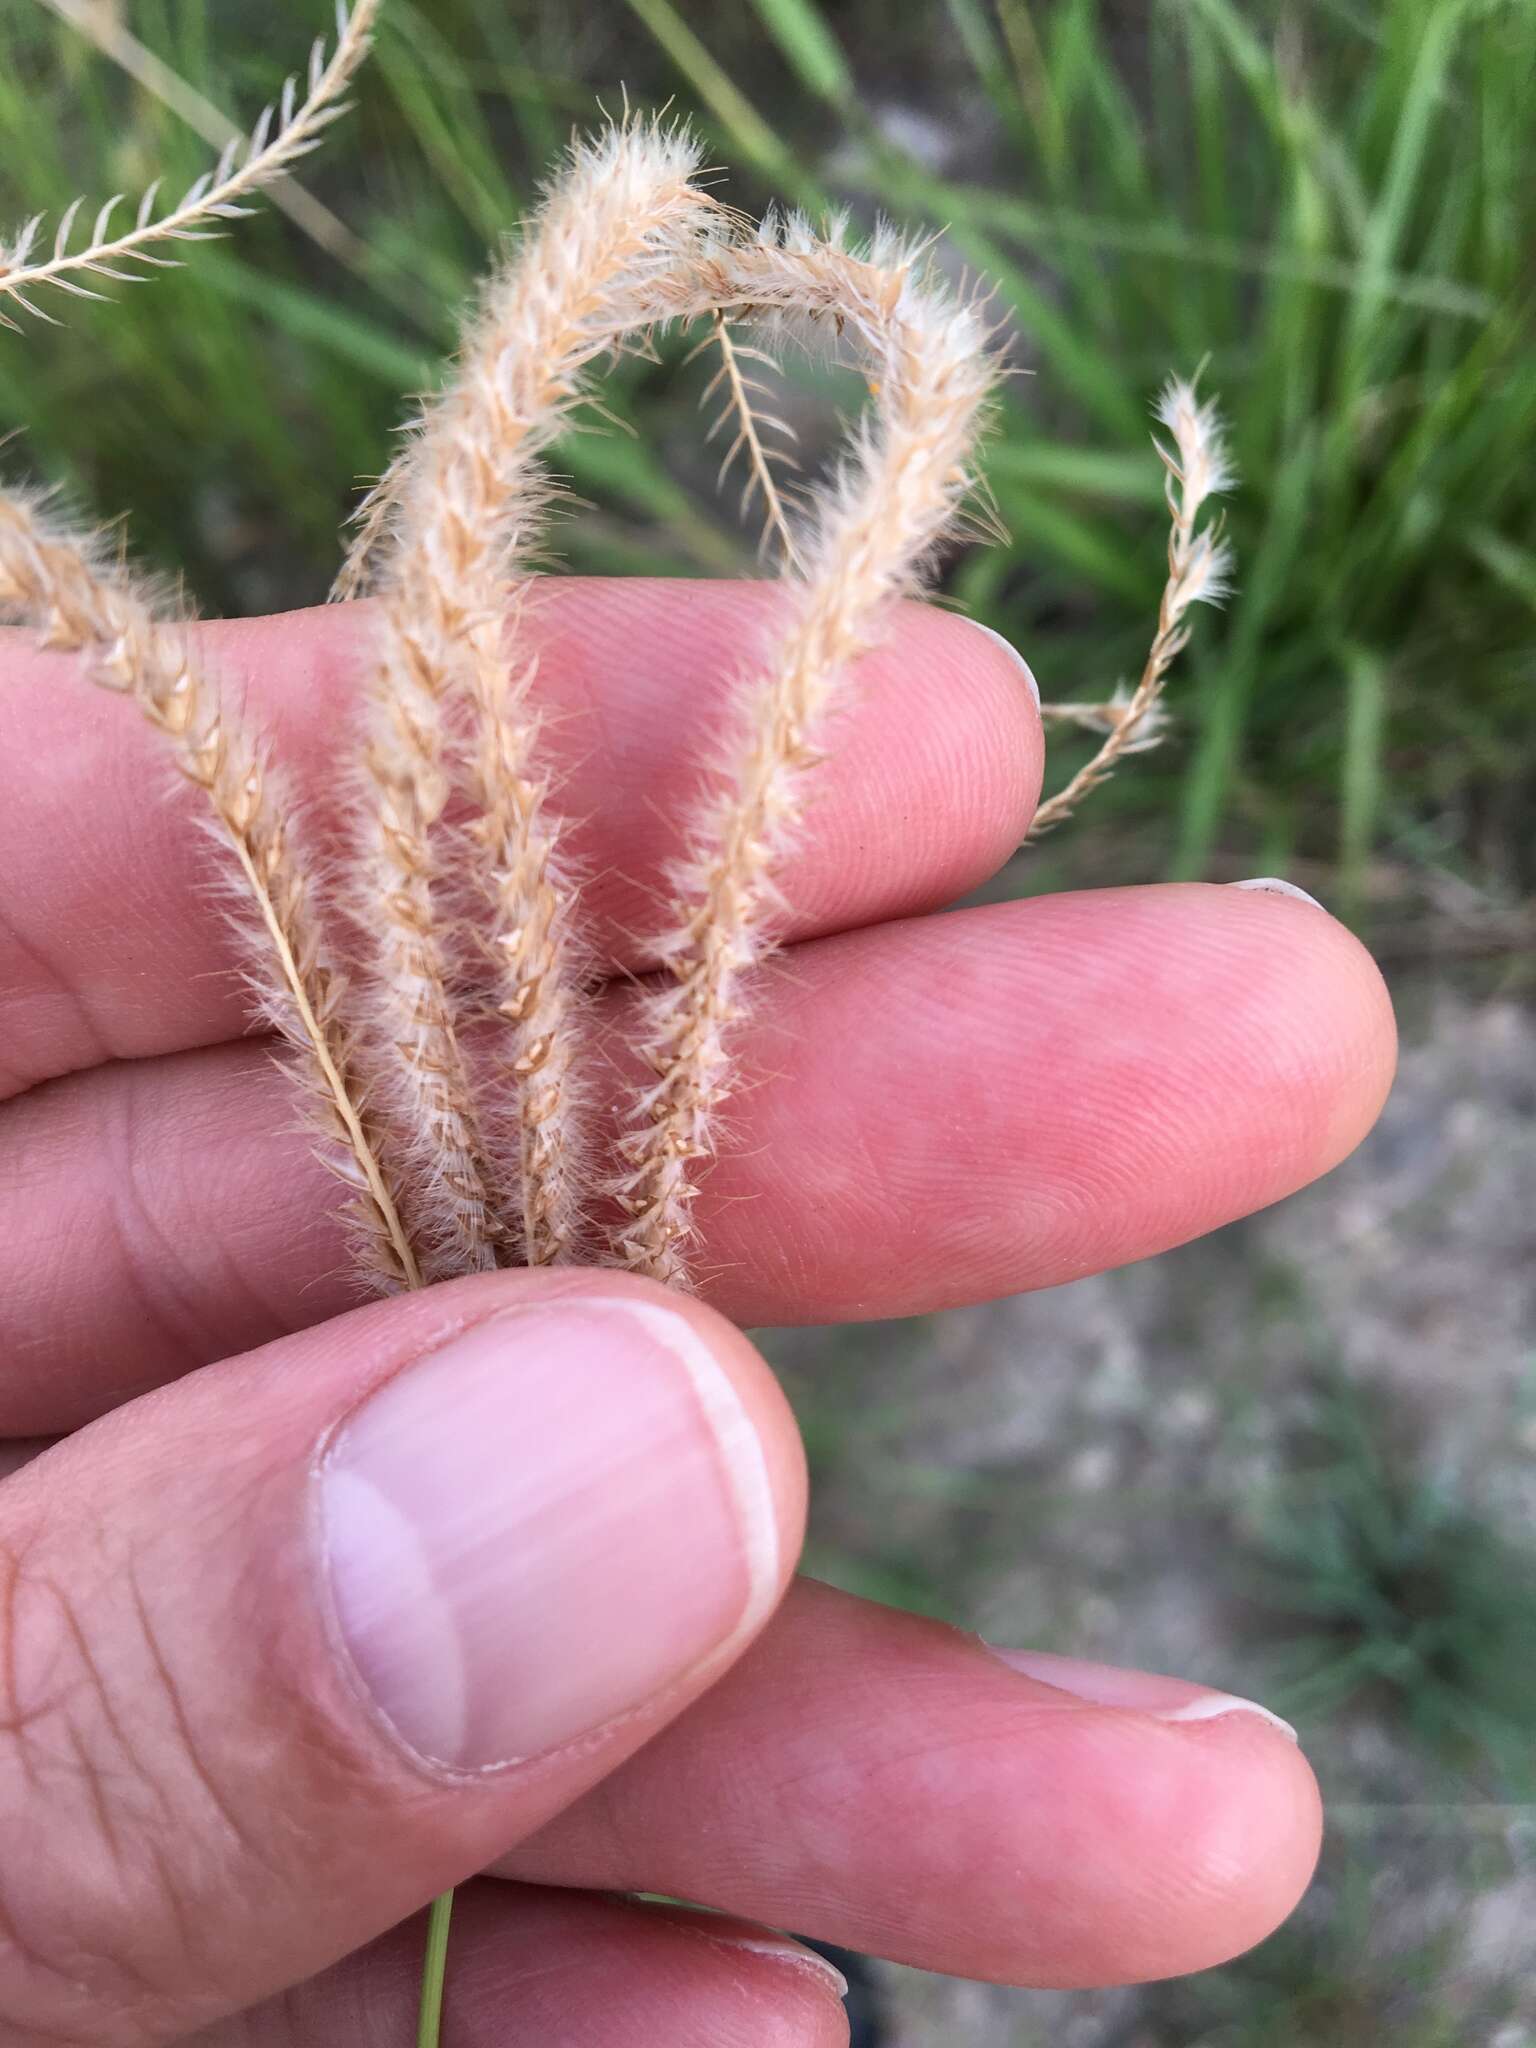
[78, 605]
[285, 132]
[464, 501]
[394, 903]
[737, 390]
[629, 186]
[1199, 565]
[492, 1158]
[624, 242]
[894, 499]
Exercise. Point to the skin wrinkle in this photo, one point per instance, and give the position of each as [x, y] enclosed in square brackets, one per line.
[91, 1775]
[254, 1287]
[191, 1748]
[170, 1883]
[263, 1308]
[137, 1226]
[16, 1722]
[58, 1969]
[102, 1694]
[14, 1080]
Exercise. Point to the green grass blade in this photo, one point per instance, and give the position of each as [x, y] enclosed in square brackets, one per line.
[813, 52]
[1360, 796]
[739, 121]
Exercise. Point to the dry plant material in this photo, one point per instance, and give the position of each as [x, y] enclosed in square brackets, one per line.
[737, 388]
[626, 241]
[460, 507]
[463, 1158]
[1199, 568]
[287, 130]
[49, 582]
[111, 35]
[898, 493]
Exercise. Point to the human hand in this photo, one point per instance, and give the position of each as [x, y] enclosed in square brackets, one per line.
[552, 1515]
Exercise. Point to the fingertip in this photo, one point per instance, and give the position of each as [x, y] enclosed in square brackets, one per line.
[1252, 1816]
[1193, 1840]
[1334, 987]
[1016, 660]
[948, 714]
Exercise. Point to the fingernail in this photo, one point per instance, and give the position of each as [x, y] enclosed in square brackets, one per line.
[543, 1526]
[1013, 653]
[1107, 1685]
[779, 1948]
[723, 1930]
[1275, 885]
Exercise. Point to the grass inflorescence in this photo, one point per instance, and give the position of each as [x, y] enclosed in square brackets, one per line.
[1331, 208]
[487, 1161]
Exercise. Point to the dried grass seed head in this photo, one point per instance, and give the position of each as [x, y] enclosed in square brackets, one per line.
[286, 131]
[79, 601]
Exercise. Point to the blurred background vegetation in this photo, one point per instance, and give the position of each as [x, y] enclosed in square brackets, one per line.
[1328, 203]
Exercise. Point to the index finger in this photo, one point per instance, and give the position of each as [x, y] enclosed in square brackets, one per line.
[113, 946]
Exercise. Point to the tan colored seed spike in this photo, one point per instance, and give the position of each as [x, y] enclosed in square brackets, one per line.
[1199, 565]
[462, 502]
[78, 606]
[492, 1157]
[870, 536]
[286, 131]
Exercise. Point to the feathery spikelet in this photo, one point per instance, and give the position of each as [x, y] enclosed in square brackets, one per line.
[738, 389]
[425, 1091]
[531, 900]
[623, 200]
[897, 495]
[286, 131]
[462, 501]
[1199, 562]
[624, 241]
[1108, 716]
[50, 582]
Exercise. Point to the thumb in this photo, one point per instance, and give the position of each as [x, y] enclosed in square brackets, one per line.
[296, 1643]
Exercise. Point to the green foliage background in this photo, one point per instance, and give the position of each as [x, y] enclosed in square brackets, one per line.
[1328, 203]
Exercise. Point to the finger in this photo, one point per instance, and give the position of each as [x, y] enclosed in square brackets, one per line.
[113, 945]
[939, 1111]
[566, 1971]
[292, 1647]
[893, 1786]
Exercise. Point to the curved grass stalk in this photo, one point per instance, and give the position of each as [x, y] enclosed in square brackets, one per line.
[49, 580]
[286, 131]
[1199, 563]
[748, 440]
[899, 493]
[464, 499]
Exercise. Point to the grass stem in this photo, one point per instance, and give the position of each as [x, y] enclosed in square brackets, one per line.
[429, 2025]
